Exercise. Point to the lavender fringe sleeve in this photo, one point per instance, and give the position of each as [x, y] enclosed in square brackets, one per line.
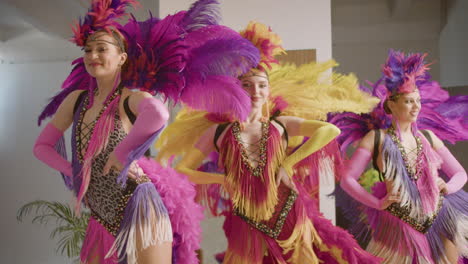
[135, 155]
[145, 215]
[451, 222]
[62, 150]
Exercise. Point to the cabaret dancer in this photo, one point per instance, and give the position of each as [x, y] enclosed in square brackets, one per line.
[414, 214]
[272, 218]
[141, 212]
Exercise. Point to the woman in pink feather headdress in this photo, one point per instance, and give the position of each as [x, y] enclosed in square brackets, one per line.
[414, 215]
[141, 212]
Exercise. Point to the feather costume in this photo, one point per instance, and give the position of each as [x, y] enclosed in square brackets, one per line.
[423, 216]
[264, 223]
[167, 57]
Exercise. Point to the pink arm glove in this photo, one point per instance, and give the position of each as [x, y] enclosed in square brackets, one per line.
[354, 168]
[152, 115]
[452, 168]
[44, 150]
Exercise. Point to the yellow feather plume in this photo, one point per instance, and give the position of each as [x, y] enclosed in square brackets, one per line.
[180, 136]
[313, 90]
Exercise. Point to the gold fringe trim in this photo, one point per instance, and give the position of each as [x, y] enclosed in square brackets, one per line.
[231, 258]
[391, 256]
[245, 206]
[301, 242]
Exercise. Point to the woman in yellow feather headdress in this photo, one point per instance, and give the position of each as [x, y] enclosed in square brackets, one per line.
[272, 218]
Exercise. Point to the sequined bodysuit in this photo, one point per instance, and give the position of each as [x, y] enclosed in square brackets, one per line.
[105, 197]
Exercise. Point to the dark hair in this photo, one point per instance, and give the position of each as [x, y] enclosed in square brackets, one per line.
[393, 98]
[386, 108]
[121, 41]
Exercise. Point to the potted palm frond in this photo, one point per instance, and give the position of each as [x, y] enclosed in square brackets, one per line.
[70, 228]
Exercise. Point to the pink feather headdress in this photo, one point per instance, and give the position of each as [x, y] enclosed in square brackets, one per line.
[102, 15]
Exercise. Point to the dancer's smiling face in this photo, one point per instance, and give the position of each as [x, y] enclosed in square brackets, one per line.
[103, 55]
[257, 86]
[406, 107]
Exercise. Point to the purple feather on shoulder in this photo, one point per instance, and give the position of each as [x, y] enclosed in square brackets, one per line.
[158, 56]
[201, 14]
[217, 56]
[230, 56]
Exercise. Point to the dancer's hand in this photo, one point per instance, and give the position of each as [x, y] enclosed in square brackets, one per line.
[442, 185]
[302, 171]
[283, 176]
[391, 197]
[113, 163]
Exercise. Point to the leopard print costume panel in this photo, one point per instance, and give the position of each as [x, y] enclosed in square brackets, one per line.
[105, 197]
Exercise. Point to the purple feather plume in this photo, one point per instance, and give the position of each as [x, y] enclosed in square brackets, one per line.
[218, 55]
[456, 107]
[211, 94]
[184, 55]
[157, 56]
[201, 14]
[230, 56]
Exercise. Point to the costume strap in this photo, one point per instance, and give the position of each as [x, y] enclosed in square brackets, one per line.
[128, 111]
[79, 100]
[284, 128]
[375, 154]
[428, 137]
[219, 130]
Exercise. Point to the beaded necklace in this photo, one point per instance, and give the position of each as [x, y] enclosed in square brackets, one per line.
[80, 135]
[261, 162]
[414, 171]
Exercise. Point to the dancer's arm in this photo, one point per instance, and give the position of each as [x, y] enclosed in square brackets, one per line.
[193, 159]
[450, 166]
[353, 170]
[319, 133]
[151, 115]
[44, 147]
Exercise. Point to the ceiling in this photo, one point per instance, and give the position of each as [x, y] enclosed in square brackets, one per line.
[38, 31]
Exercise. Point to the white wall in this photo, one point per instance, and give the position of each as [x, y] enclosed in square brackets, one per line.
[454, 45]
[23, 91]
[302, 24]
[363, 31]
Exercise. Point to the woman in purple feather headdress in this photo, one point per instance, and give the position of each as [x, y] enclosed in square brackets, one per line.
[415, 215]
[141, 212]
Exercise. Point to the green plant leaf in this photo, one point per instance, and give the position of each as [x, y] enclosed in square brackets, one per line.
[70, 229]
